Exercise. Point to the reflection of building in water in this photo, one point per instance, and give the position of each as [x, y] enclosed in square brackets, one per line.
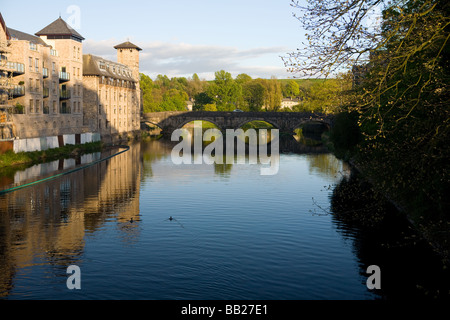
[49, 221]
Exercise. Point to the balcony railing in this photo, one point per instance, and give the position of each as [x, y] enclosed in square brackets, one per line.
[64, 94]
[45, 72]
[64, 76]
[45, 92]
[15, 68]
[64, 109]
[17, 91]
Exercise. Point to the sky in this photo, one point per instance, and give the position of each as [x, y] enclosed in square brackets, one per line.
[178, 37]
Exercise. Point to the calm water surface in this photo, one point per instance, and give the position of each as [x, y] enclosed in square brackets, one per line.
[234, 234]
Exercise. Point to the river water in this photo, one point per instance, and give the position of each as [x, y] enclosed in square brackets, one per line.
[140, 227]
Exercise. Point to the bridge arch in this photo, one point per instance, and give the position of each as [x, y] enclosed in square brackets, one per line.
[152, 123]
[306, 121]
[244, 122]
[183, 123]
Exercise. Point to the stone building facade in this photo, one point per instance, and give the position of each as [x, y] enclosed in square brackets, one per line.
[112, 92]
[57, 95]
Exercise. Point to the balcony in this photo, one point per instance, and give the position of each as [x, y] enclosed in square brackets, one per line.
[15, 68]
[64, 77]
[64, 109]
[17, 91]
[45, 73]
[64, 94]
[45, 92]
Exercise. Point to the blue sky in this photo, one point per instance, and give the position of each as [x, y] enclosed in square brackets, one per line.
[178, 37]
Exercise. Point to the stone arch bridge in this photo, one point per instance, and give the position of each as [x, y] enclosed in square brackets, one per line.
[286, 122]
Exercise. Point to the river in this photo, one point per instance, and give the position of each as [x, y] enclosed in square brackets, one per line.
[140, 227]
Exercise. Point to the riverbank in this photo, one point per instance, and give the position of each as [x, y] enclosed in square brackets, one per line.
[12, 159]
[433, 228]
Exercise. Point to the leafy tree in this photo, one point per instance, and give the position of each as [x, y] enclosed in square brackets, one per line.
[273, 93]
[400, 94]
[201, 100]
[225, 91]
[243, 78]
[253, 95]
[291, 89]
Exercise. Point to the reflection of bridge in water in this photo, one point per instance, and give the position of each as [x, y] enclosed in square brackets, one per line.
[286, 122]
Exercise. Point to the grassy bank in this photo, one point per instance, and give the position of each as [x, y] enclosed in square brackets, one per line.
[12, 159]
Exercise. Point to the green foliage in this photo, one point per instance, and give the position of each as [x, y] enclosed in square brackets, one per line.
[243, 92]
[11, 158]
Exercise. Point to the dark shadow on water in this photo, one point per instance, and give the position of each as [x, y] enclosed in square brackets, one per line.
[382, 236]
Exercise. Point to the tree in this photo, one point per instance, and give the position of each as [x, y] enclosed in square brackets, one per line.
[243, 78]
[253, 93]
[273, 93]
[291, 89]
[400, 94]
[195, 86]
[201, 100]
[225, 91]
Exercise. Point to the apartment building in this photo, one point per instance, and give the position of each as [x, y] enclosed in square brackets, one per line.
[112, 92]
[45, 78]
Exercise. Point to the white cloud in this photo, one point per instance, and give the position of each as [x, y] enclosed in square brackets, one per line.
[183, 59]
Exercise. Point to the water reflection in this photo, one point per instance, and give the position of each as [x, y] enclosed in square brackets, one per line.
[49, 222]
[381, 235]
[222, 231]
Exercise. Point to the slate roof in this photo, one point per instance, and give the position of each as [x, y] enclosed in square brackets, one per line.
[3, 24]
[91, 67]
[19, 35]
[59, 28]
[127, 45]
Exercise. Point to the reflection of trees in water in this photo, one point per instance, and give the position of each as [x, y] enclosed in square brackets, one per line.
[153, 150]
[382, 236]
[327, 165]
[223, 170]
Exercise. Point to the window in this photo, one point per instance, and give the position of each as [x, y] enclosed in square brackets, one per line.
[79, 106]
[30, 63]
[54, 52]
[31, 105]
[78, 55]
[36, 65]
[33, 46]
[74, 52]
[53, 67]
[54, 87]
[54, 106]
[38, 105]
[31, 84]
[38, 84]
